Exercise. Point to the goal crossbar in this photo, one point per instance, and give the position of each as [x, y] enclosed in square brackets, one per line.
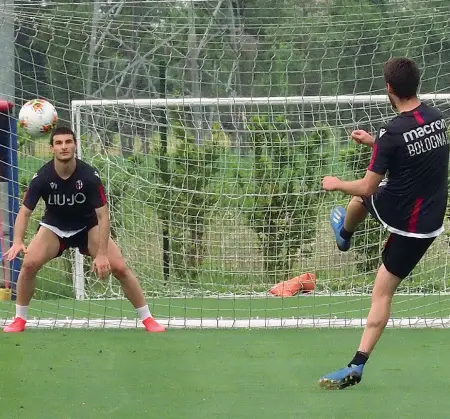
[227, 101]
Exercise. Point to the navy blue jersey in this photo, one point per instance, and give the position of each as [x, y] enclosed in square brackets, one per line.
[413, 150]
[69, 203]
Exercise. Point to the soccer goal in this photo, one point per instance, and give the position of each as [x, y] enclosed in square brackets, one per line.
[212, 124]
[229, 235]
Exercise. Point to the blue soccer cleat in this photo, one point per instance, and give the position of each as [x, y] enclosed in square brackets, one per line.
[337, 222]
[338, 380]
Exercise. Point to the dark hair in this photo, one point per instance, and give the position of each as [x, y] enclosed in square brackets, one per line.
[403, 76]
[62, 131]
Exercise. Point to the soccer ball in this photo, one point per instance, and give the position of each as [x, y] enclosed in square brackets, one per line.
[38, 117]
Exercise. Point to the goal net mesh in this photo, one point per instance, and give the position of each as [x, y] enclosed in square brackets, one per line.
[216, 196]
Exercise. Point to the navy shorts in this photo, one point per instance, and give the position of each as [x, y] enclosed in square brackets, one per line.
[79, 240]
[401, 254]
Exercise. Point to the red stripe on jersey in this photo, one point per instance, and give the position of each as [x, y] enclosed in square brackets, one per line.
[374, 156]
[25, 195]
[418, 117]
[102, 194]
[412, 223]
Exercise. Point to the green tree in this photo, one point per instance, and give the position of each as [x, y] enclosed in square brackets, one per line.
[283, 192]
[183, 197]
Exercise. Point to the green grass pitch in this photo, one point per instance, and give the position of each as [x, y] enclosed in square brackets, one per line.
[121, 374]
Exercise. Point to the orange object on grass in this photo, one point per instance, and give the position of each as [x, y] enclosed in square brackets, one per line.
[304, 283]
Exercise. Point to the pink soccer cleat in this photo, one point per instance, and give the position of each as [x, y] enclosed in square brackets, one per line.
[18, 325]
[151, 325]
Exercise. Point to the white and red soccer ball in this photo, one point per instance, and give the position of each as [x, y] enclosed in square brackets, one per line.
[38, 117]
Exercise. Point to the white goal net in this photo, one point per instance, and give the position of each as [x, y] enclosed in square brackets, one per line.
[212, 124]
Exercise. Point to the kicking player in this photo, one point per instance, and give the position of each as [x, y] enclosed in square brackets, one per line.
[413, 150]
[76, 215]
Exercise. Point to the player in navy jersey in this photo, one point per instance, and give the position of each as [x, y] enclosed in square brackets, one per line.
[412, 151]
[76, 216]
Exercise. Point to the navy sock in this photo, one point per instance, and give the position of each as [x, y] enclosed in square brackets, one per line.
[346, 235]
[360, 358]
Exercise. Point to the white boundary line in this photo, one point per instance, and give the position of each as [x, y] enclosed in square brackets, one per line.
[231, 324]
[267, 295]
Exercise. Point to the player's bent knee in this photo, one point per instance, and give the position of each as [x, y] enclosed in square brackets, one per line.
[31, 265]
[358, 200]
[120, 270]
[378, 322]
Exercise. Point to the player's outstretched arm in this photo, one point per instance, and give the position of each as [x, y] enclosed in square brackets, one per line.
[361, 187]
[362, 137]
[20, 227]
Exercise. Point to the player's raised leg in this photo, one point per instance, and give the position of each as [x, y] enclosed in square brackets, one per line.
[130, 284]
[43, 247]
[345, 222]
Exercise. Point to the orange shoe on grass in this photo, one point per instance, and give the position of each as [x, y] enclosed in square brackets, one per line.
[151, 325]
[304, 283]
[18, 325]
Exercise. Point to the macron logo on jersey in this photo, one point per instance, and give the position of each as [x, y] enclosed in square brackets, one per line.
[382, 132]
[423, 130]
[426, 137]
